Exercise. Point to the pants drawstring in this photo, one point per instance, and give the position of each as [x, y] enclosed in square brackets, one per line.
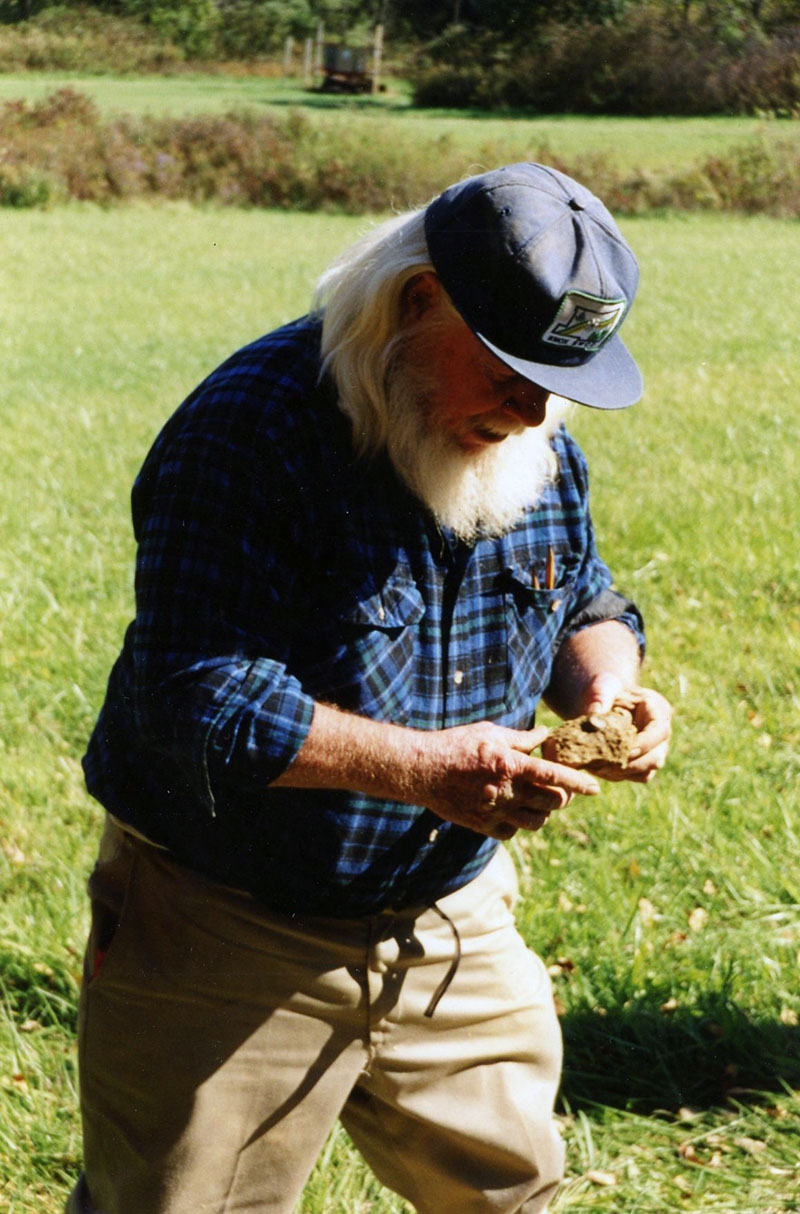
[451, 973]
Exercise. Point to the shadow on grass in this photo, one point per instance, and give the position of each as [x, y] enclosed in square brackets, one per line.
[334, 101]
[394, 104]
[644, 1059]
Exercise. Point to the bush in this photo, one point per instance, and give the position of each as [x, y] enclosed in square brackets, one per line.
[62, 148]
[190, 24]
[757, 178]
[143, 36]
[84, 40]
[260, 27]
[247, 159]
[639, 66]
[18, 189]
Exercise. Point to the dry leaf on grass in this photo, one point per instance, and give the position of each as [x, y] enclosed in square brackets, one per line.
[688, 1152]
[604, 1179]
[14, 854]
[753, 1146]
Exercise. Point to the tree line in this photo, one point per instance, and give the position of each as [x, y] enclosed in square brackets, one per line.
[423, 21]
[586, 56]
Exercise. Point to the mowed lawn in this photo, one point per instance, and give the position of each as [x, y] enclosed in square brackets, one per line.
[670, 916]
[627, 143]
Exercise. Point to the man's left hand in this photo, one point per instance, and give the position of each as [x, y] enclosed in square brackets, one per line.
[652, 716]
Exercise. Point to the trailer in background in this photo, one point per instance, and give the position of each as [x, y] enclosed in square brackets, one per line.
[347, 69]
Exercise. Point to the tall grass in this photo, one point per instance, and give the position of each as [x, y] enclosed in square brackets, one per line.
[670, 916]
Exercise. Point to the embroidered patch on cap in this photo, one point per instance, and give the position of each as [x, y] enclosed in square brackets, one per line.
[585, 321]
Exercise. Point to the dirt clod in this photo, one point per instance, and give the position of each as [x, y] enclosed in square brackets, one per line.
[593, 741]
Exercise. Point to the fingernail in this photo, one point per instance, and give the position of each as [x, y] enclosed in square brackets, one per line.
[592, 788]
[634, 752]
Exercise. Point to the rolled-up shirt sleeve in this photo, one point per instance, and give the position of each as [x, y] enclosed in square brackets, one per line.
[210, 639]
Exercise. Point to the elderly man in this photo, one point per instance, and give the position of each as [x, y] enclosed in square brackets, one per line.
[364, 554]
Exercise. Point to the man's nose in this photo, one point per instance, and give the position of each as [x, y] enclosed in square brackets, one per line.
[529, 404]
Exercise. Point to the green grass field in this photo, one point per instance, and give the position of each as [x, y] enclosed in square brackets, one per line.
[670, 916]
[629, 143]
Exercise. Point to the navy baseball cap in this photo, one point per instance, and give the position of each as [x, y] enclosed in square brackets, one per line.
[538, 269]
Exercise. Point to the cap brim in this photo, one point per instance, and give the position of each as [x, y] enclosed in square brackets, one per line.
[609, 380]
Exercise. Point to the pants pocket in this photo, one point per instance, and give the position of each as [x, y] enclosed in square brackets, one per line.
[108, 889]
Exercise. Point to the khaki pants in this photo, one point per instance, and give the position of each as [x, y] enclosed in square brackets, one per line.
[219, 1043]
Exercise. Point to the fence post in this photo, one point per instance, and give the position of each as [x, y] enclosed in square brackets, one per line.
[287, 56]
[308, 53]
[376, 58]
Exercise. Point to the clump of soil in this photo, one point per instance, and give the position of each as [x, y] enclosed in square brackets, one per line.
[594, 741]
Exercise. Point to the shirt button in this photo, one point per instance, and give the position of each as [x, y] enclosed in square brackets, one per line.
[458, 678]
[434, 835]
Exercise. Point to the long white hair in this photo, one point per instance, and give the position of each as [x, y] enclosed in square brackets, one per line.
[361, 298]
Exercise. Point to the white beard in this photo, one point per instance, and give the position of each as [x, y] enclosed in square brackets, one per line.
[473, 493]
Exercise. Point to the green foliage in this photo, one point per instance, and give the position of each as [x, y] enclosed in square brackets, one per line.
[566, 56]
[177, 29]
[84, 39]
[641, 65]
[20, 189]
[61, 147]
[248, 28]
[19, 10]
[191, 24]
[258, 27]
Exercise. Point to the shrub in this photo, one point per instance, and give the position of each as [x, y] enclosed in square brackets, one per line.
[20, 190]
[85, 40]
[190, 24]
[757, 177]
[62, 148]
[638, 66]
[260, 27]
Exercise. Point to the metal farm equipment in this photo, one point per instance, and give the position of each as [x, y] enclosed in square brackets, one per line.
[347, 69]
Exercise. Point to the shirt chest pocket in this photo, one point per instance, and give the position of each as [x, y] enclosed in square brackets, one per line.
[534, 617]
[364, 651]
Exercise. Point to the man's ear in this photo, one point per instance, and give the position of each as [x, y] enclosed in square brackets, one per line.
[420, 294]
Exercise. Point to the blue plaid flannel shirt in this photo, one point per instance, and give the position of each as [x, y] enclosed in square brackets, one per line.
[274, 569]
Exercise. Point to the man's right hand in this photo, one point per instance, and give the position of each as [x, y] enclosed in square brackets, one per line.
[480, 776]
[484, 777]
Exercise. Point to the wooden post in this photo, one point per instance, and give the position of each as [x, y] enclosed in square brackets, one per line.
[308, 60]
[287, 56]
[318, 59]
[376, 58]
